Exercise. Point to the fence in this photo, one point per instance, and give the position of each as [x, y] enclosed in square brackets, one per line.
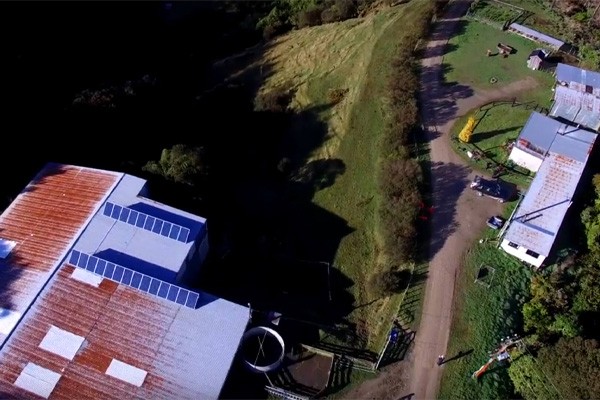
[284, 394]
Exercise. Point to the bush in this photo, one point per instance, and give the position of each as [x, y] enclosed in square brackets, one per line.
[389, 282]
[310, 17]
[336, 95]
[276, 100]
[330, 15]
[346, 9]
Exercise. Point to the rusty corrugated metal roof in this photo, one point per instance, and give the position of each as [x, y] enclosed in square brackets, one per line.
[186, 352]
[44, 220]
[122, 323]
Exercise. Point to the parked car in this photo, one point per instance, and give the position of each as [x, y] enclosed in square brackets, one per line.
[496, 222]
[497, 188]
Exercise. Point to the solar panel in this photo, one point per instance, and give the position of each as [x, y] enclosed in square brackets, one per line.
[134, 279]
[146, 222]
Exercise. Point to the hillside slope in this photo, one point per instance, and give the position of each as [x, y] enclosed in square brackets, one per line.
[338, 76]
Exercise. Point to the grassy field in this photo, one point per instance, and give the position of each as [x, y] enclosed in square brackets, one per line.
[468, 64]
[354, 56]
[484, 315]
[497, 125]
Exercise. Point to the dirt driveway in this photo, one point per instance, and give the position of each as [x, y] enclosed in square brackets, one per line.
[457, 221]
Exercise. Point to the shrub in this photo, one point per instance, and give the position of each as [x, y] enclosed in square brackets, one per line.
[310, 17]
[389, 282]
[276, 100]
[336, 95]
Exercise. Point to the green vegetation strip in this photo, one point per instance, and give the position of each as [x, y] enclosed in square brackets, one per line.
[355, 196]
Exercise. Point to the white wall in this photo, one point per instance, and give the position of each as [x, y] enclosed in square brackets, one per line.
[520, 253]
[525, 159]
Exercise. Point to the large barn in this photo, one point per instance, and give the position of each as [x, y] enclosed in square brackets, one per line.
[93, 296]
[536, 222]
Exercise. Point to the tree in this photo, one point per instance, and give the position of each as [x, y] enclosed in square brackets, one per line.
[181, 163]
[550, 308]
[573, 366]
[528, 379]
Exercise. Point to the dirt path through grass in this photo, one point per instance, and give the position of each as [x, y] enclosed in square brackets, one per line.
[457, 221]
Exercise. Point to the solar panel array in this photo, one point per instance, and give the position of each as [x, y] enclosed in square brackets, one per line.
[134, 279]
[147, 222]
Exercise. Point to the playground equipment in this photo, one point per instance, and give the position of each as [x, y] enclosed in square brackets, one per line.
[501, 354]
[465, 134]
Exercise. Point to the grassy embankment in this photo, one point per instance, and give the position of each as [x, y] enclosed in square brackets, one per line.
[354, 56]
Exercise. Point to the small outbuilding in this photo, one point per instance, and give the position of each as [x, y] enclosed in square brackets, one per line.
[537, 59]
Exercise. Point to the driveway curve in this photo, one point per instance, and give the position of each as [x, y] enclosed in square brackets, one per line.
[458, 218]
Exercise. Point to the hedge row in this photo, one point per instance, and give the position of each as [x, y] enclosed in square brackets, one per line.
[400, 176]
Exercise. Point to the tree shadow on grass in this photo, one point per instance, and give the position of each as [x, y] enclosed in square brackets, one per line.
[439, 100]
[448, 182]
[441, 28]
[481, 136]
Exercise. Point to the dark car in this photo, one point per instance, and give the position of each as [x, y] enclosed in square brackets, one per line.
[496, 222]
[497, 188]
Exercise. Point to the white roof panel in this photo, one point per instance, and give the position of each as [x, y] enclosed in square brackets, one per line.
[61, 342]
[126, 372]
[38, 380]
[82, 275]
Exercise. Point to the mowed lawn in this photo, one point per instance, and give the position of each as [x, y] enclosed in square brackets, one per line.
[355, 56]
[496, 126]
[468, 64]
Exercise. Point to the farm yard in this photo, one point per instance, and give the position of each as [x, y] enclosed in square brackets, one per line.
[497, 125]
[467, 63]
[485, 313]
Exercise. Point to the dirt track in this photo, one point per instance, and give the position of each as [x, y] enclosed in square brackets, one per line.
[457, 221]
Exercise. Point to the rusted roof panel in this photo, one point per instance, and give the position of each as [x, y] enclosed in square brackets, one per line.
[45, 219]
[163, 338]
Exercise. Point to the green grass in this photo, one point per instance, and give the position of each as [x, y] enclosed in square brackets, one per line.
[496, 126]
[481, 317]
[355, 194]
[356, 377]
[355, 55]
[468, 63]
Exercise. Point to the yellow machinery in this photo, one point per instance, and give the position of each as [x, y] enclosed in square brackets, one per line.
[465, 135]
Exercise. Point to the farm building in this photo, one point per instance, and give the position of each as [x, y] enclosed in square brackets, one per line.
[577, 96]
[539, 37]
[534, 227]
[536, 139]
[93, 294]
[536, 60]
